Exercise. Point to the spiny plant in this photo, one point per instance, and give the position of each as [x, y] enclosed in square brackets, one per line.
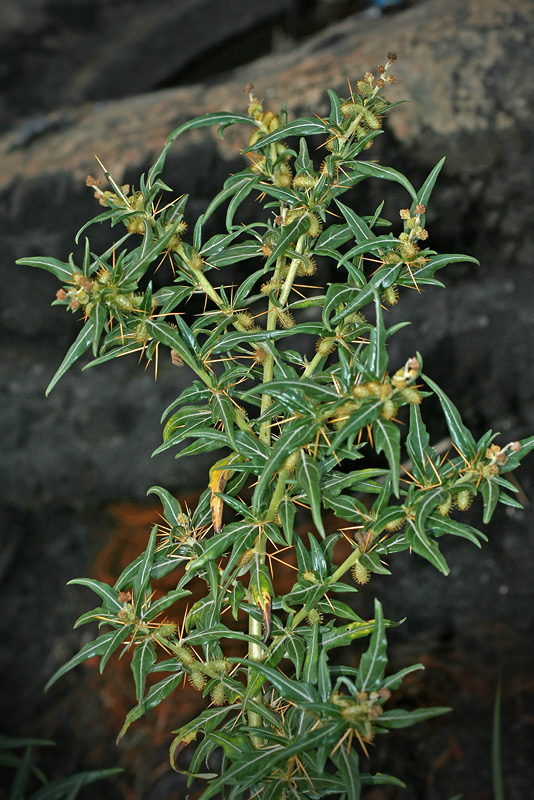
[287, 423]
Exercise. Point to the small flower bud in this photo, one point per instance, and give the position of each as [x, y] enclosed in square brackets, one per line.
[390, 296]
[360, 573]
[405, 213]
[218, 694]
[389, 409]
[515, 446]
[197, 679]
[464, 498]
[420, 209]
[392, 56]
[61, 295]
[314, 617]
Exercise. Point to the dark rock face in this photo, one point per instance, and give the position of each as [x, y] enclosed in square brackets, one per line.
[466, 71]
[57, 52]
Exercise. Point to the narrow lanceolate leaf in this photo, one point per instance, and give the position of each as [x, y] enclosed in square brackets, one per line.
[223, 410]
[305, 126]
[119, 635]
[451, 526]
[143, 658]
[373, 661]
[387, 440]
[153, 697]
[295, 435]
[289, 689]
[348, 764]
[425, 191]
[80, 345]
[490, 494]
[308, 475]
[103, 590]
[460, 435]
[289, 233]
[68, 788]
[58, 268]
[142, 579]
[89, 650]
[417, 444]
[368, 412]
[171, 507]
[146, 254]
[252, 767]
[163, 333]
[425, 547]
[360, 230]
[378, 354]
[398, 718]
[372, 170]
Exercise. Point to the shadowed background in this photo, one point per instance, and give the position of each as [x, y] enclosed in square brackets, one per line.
[114, 79]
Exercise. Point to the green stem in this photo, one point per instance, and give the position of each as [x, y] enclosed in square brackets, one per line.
[312, 366]
[278, 494]
[255, 651]
[340, 571]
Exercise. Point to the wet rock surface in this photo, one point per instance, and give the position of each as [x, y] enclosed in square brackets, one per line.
[465, 70]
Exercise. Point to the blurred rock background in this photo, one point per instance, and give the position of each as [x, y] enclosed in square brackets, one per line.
[79, 78]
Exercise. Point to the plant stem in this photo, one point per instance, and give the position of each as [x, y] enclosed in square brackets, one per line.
[340, 571]
[255, 651]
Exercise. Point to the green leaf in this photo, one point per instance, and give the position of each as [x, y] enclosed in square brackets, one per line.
[373, 662]
[254, 766]
[223, 410]
[143, 658]
[360, 230]
[171, 507]
[305, 126]
[490, 493]
[120, 634]
[142, 257]
[89, 650]
[423, 196]
[445, 525]
[155, 608]
[20, 780]
[80, 345]
[460, 435]
[398, 718]
[158, 692]
[343, 635]
[58, 268]
[308, 474]
[372, 170]
[286, 512]
[309, 673]
[163, 333]
[368, 412]
[417, 445]
[68, 788]
[349, 767]
[103, 590]
[378, 360]
[295, 435]
[387, 440]
[142, 579]
[289, 234]
[290, 689]
[243, 189]
[425, 547]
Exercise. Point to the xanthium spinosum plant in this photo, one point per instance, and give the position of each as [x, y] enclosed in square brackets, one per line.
[287, 424]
